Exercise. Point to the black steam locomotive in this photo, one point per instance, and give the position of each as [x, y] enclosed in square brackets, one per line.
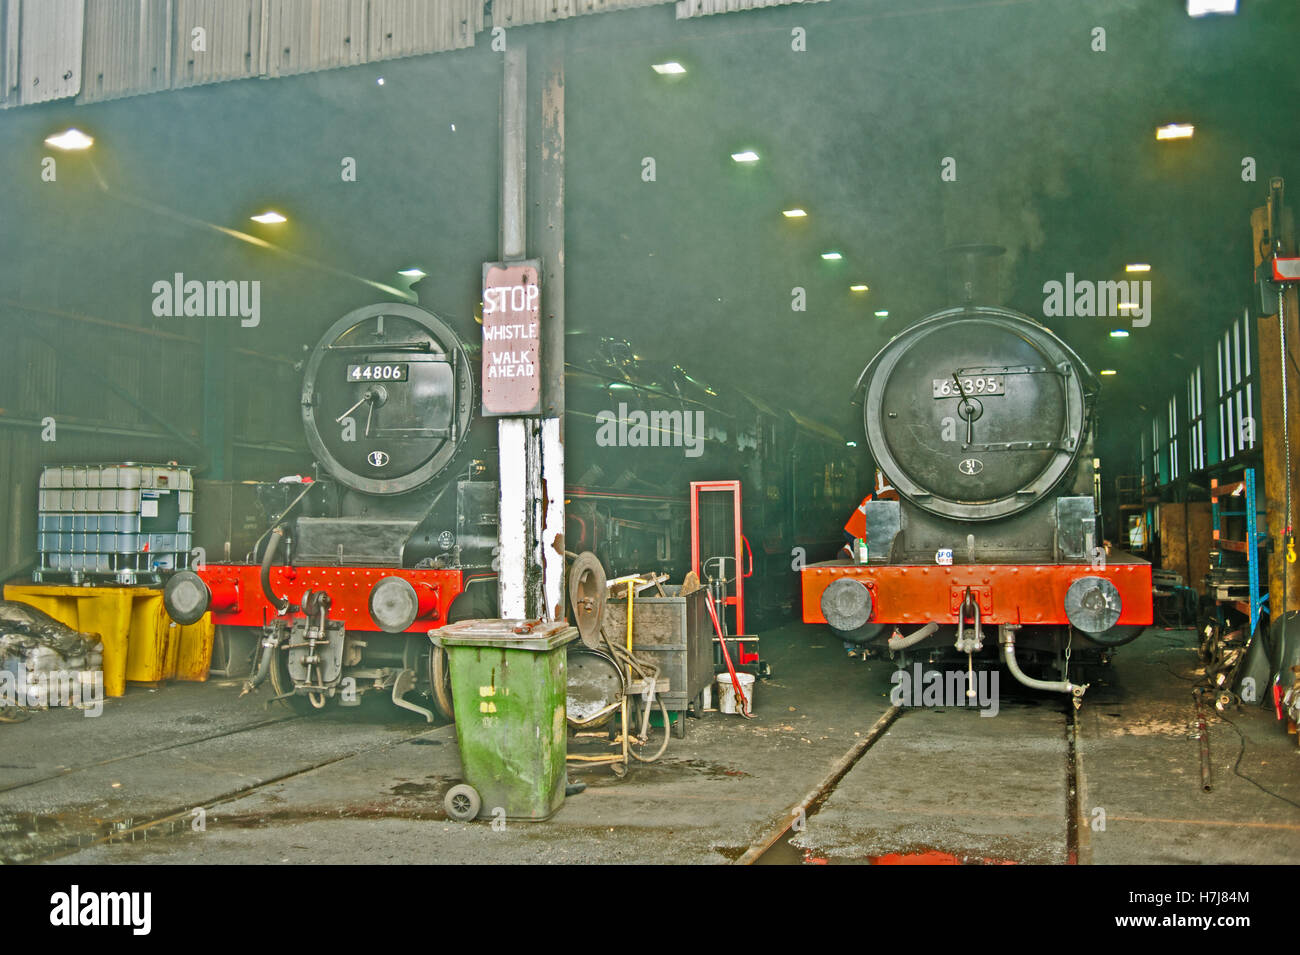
[397, 532]
[982, 420]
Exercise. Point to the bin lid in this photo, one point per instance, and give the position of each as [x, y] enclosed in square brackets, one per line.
[505, 634]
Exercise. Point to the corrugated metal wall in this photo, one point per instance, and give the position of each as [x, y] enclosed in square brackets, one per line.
[130, 48]
[102, 49]
[704, 8]
[42, 50]
[513, 13]
[58, 365]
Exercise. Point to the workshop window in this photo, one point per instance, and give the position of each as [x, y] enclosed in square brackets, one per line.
[1237, 432]
[1155, 451]
[1172, 447]
[1195, 423]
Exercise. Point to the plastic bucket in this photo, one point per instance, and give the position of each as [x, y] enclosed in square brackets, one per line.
[727, 692]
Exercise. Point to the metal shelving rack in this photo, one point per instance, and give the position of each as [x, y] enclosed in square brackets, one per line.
[1251, 546]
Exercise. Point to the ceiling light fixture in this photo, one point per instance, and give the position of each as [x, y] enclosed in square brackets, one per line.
[1200, 8]
[70, 139]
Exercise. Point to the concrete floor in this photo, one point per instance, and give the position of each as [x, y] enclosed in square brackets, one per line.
[979, 789]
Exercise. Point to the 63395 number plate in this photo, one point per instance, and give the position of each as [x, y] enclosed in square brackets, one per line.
[973, 385]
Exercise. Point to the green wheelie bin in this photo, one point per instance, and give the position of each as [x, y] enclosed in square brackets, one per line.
[508, 686]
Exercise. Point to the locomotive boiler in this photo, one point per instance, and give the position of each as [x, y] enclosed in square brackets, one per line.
[982, 420]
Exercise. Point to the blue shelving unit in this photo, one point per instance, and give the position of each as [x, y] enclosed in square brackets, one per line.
[1251, 547]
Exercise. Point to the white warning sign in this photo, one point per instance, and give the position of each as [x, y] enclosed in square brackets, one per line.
[511, 339]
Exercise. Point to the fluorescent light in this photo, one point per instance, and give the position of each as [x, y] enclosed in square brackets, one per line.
[269, 217]
[1127, 305]
[70, 139]
[883, 313]
[1199, 8]
[1137, 267]
[380, 81]
[747, 156]
[411, 273]
[832, 256]
[672, 68]
[850, 444]
[793, 213]
[859, 288]
[1108, 371]
[1175, 131]
[1119, 333]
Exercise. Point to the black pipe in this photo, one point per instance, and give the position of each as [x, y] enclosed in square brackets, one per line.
[281, 604]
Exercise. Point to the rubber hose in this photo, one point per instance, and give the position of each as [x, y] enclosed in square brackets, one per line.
[1009, 658]
[263, 669]
[281, 604]
[912, 639]
[668, 728]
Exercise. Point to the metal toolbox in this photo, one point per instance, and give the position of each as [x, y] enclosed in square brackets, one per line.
[674, 633]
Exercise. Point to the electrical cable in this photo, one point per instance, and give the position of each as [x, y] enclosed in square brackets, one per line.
[1236, 772]
[649, 673]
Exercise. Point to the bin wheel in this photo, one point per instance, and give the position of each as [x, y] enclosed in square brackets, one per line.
[462, 802]
[619, 769]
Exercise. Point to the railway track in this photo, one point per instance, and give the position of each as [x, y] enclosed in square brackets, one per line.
[70, 770]
[773, 847]
[45, 843]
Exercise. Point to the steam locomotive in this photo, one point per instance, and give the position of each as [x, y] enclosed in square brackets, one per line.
[397, 533]
[982, 420]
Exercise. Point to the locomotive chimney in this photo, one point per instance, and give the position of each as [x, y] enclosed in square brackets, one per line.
[974, 274]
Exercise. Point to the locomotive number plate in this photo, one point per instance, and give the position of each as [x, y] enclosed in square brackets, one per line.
[973, 385]
[380, 372]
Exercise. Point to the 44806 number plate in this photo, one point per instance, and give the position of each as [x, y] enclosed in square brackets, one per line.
[381, 371]
[972, 385]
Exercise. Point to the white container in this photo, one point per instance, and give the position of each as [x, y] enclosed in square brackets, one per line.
[727, 692]
[119, 519]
